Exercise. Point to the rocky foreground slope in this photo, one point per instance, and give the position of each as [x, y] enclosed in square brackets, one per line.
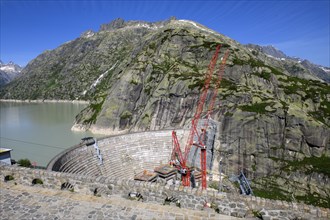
[274, 113]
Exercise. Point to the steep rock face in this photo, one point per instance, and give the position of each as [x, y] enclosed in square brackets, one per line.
[138, 76]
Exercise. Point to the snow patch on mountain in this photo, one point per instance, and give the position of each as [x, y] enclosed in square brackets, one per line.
[99, 79]
[8, 72]
[197, 26]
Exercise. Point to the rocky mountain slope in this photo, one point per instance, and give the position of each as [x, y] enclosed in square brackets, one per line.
[274, 114]
[8, 72]
[309, 68]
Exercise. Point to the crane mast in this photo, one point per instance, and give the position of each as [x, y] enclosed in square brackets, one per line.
[177, 156]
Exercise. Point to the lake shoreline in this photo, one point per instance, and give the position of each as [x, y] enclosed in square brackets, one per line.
[97, 130]
[44, 101]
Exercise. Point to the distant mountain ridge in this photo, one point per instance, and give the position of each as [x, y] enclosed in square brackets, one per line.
[319, 71]
[8, 72]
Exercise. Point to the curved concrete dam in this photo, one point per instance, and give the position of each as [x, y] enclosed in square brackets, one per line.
[120, 156]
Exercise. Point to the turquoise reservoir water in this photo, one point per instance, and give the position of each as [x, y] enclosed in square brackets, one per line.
[39, 131]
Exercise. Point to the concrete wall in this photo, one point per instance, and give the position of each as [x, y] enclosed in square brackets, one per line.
[129, 154]
[229, 204]
[123, 155]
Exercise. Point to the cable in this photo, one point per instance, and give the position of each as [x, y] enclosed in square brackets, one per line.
[27, 142]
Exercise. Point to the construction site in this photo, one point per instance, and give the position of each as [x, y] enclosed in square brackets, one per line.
[180, 157]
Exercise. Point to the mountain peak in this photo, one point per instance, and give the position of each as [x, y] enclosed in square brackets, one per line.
[119, 23]
[113, 25]
[8, 72]
[269, 50]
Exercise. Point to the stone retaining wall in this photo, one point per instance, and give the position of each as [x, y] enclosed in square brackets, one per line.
[229, 204]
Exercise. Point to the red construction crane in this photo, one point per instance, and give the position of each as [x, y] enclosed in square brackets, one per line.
[176, 153]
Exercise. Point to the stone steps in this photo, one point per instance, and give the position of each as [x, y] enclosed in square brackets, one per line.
[85, 163]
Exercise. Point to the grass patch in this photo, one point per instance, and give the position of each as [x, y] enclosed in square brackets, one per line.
[323, 113]
[257, 108]
[264, 75]
[37, 181]
[252, 62]
[213, 185]
[310, 165]
[229, 85]
[257, 214]
[271, 191]
[96, 108]
[8, 178]
[126, 115]
[314, 199]
[24, 162]
[134, 82]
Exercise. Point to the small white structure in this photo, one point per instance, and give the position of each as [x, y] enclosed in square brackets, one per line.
[5, 156]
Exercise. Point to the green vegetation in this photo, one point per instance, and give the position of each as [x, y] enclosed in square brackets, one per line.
[239, 62]
[254, 167]
[9, 178]
[267, 187]
[24, 162]
[257, 214]
[314, 90]
[37, 181]
[210, 45]
[270, 190]
[314, 199]
[274, 70]
[96, 108]
[164, 67]
[257, 107]
[252, 62]
[309, 165]
[215, 207]
[126, 115]
[236, 184]
[229, 85]
[146, 119]
[152, 45]
[255, 53]
[229, 114]
[323, 113]
[148, 89]
[196, 84]
[134, 82]
[257, 63]
[264, 75]
[213, 185]
[293, 68]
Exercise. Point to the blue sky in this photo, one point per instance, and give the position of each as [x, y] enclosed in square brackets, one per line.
[298, 28]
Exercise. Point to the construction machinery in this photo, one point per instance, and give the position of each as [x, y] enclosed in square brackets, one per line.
[178, 158]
